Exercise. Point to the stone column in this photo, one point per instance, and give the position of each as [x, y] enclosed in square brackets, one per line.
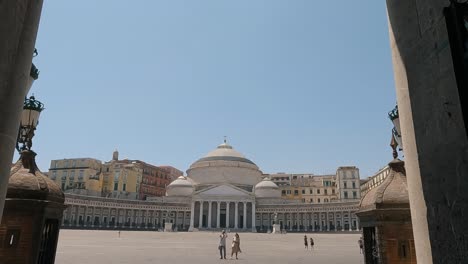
[313, 222]
[357, 224]
[298, 221]
[218, 213]
[183, 219]
[236, 215]
[209, 214]
[433, 127]
[85, 216]
[328, 221]
[334, 221]
[227, 215]
[291, 222]
[20, 21]
[200, 221]
[254, 227]
[320, 221]
[116, 217]
[192, 215]
[350, 221]
[245, 216]
[342, 220]
[261, 221]
[102, 217]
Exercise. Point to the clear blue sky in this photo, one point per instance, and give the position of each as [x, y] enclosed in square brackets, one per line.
[297, 86]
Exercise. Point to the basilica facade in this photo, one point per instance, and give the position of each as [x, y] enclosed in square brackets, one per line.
[222, 190]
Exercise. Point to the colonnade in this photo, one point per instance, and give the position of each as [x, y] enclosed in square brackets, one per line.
[311, 221]
[102, 217]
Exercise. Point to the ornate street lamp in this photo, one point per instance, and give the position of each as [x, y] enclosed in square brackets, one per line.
[29, 120]
[395, 118]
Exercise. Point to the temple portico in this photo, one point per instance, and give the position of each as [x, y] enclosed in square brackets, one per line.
[217, 214]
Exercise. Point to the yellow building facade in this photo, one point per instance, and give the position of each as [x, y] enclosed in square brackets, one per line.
[73, 173]
[121, 179]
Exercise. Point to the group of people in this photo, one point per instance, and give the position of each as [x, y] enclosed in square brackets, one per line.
[235, 245]
[306, 244]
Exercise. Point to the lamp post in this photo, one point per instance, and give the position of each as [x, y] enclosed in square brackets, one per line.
[32, 109]
[396, 131]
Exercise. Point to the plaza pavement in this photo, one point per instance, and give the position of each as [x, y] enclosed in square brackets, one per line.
[139, 247]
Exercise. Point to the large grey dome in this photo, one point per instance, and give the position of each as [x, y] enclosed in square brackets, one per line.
[224, 165]
[224, 152]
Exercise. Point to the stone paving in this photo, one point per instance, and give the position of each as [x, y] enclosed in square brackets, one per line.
[137, 247]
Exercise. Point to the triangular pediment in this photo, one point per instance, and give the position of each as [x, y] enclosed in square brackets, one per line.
[223, 190]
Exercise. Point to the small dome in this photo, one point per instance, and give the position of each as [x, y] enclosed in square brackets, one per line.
[27, 182]
[180, 187]
[267, 189]
[391, 193]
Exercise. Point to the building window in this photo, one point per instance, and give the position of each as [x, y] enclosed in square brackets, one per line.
[333, 191]
[354, 195]
[354, 185]
[325, 200]
[311, 200]
[325, 191]
[288, 191]
[345, 184]
[318, 200]
[346, 195]
[124, 187]
[303, 191]
[303, 200]
[318, 191]
[296, 192]
[116, 186]
[310, 191]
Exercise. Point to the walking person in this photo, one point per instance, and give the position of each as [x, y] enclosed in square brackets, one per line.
[235, 246]
[238, 241]
[311, 243]
[305, 242]
[119, 233]
[222, 244]
[361, 245]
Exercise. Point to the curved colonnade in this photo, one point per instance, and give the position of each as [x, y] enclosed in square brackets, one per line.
[87, 212]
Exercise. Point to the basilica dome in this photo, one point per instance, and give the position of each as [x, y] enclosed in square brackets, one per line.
[267, 189]
[224, 165]
[180, 187]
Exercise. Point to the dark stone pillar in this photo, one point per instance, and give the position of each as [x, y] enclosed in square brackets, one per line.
[19, 21]
[433, 131]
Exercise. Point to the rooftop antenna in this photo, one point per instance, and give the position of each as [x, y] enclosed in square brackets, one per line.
[225, 139]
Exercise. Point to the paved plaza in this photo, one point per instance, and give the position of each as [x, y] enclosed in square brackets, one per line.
[134, 247]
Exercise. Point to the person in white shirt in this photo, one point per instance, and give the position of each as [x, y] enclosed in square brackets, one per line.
[222, 244]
